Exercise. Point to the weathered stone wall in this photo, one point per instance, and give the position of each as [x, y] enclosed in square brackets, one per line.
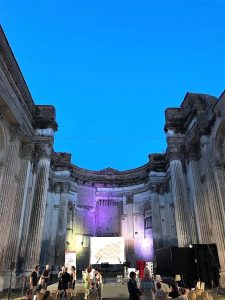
[48, 205]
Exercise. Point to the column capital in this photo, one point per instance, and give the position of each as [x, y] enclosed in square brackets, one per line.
[159, 187]
[155, 187]
[15, 132]
[176, 147]
[44, 150]
[65, 187]
[129, 199]
[193, 151]
[54, 187]
[27, 151]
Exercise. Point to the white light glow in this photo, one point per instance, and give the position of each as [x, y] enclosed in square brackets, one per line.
[107, 249]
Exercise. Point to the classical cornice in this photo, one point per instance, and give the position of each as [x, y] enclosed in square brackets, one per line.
[61, 161]
[45, 117]
[110, 177]
[14, 76]
[194, 106]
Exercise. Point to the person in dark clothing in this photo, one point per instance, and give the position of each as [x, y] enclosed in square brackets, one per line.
[45, 276]
[132, 287]
[34, 278]
[64, 279]
[174, 291]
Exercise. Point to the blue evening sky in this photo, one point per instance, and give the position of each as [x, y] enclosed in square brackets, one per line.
[112, 67]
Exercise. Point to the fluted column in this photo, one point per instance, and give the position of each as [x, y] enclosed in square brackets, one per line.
[130, 227]
[156, 217]
[180, 198]
[24, 230]
[8, 190]
[199, 201]
[216, 205]
[62, 223]
[19, 207]
[39, 206]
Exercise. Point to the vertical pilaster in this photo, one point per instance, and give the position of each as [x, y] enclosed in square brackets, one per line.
[62, 223]
[8, 190]
[156, 218]
[39, 206]
[216, 205]
[19, 207]
[180, 198]
[199, 202]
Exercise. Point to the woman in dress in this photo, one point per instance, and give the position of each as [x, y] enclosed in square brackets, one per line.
[73, 277]
[147, 286]
[64, 279]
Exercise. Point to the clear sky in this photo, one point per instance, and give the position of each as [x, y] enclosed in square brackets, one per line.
[112, 67]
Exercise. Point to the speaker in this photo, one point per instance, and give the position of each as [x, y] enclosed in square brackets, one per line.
[12, 265]
[200, 262]
[126, 264]
[104, 264]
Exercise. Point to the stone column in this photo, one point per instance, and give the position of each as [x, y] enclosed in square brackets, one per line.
[156, 217]
[20, 206]
[179, 190]
[216, 205]
[219, 169]
[130, 228]
[26, 221]
[39, 206]
[176, 155]
[198, 199]
[8, 190]
[62, 223]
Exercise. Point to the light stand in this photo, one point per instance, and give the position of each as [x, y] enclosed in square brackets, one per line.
[12, 267]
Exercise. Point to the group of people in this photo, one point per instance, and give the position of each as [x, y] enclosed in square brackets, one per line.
[65, 280]
[92, 280]
[41, 282]
[150, 290]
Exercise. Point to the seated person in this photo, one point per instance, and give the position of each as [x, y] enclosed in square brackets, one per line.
[29, 294]
[160, 294]
[183, 294]
[174, 291]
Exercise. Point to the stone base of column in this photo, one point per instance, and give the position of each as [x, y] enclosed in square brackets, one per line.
[222, 278]
[7, 279]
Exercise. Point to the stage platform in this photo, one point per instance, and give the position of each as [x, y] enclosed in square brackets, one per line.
[110, 290]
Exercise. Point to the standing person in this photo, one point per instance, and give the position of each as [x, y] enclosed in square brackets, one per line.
[98, 280]
[132, 287]
[64, 279]
[174, 291]
[147, 286]
[34, 278]
[45, 276]
[73, 277]
[87, 282]
[160, 294]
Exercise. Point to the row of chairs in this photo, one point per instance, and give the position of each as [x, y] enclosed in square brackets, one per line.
[200, 294]
[56, 294]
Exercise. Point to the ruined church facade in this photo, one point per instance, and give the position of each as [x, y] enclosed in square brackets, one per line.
[48, 205]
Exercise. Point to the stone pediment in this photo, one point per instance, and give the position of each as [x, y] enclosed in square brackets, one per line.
[109, 171]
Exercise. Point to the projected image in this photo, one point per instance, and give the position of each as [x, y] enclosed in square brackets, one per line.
[107, 249]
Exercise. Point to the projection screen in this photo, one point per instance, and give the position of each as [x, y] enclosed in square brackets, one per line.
[107, 249]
